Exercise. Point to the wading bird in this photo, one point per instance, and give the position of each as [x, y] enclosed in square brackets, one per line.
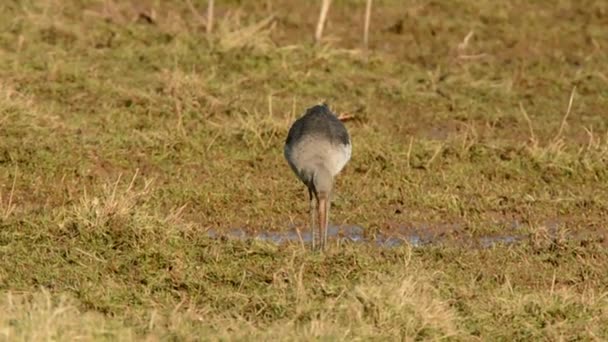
[317, 148]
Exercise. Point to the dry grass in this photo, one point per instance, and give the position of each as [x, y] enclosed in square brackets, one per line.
[130, 129]
[40, 316]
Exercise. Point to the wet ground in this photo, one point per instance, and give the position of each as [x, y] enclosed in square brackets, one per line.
[356, 234]
[414, 236]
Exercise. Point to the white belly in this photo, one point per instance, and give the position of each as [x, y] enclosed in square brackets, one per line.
[308, 155]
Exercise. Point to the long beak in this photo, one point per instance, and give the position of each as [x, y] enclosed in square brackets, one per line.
[323, 211]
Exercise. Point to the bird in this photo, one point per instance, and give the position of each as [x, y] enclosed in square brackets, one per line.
[317, 148]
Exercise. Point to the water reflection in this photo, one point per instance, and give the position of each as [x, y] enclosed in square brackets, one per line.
[354, 234]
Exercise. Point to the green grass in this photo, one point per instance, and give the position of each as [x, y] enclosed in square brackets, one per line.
[123, 140]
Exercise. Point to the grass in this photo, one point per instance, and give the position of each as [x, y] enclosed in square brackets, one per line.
[127, 132]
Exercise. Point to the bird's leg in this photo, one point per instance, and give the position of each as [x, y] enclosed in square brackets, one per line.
[327, 206]
[312, 218]
[322, 210]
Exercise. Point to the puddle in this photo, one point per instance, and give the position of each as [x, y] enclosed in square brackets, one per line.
[355, 234]
[488, 242]
[421, 234]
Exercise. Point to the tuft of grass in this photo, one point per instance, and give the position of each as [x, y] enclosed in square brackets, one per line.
[233, 35]
[43, 316]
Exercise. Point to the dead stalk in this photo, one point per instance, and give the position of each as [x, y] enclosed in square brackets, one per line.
[9, 207]
[270, 105]
[409, 153]
[428, 163]
[591, 142]
[176, 214]
[465, 42]
[322, 18]
[565, 118]
[209, 16]
[113, 194]
[368, 14]
[130, 187]
[530, 128]
[300, 239]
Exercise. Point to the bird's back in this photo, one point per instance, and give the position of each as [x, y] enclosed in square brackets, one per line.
[318, 122]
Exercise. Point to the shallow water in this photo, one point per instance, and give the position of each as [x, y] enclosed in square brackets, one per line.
[355, 234]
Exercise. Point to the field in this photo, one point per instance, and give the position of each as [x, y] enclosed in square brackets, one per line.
[142, 170]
